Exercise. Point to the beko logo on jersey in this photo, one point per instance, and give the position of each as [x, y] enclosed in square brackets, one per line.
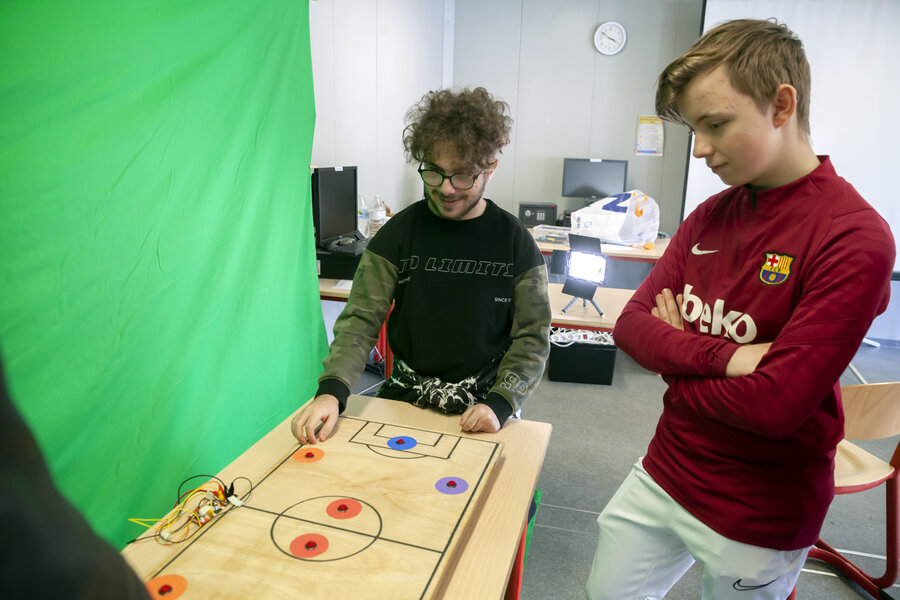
[737, 326]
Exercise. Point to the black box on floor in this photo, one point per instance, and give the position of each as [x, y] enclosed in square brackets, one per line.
[335, 266]
[582, 363]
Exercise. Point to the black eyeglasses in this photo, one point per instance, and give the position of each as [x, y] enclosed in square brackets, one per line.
[459, 181]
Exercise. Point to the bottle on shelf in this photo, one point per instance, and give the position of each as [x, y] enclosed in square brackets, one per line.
[377, 215]
[362, 215]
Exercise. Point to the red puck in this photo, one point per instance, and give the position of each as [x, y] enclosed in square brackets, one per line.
[165, 589]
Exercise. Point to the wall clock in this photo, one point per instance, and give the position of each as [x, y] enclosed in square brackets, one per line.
[609, 38]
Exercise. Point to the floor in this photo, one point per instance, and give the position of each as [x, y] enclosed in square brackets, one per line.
[598, 433]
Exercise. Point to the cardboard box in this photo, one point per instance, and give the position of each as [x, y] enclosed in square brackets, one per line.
[582, 363]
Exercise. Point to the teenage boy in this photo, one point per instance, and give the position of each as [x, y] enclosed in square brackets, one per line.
[471, 318]
[751, 316]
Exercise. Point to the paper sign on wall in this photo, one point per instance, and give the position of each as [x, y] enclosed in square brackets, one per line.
[649, 136]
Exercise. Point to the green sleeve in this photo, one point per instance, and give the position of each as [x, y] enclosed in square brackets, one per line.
[356, 329]
[523, 364]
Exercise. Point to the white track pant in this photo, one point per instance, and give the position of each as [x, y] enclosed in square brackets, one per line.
[648, 541]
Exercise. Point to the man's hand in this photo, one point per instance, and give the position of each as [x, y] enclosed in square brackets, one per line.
[322, 408]
[479, 417]
[745, 359]
[668, 308]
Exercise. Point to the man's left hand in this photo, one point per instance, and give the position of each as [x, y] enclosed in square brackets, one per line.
[479, 418]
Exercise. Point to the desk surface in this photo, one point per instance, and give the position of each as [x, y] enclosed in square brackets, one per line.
[482, 565]
[615, 251]
[581, 316]
[328, 291]
[610, 300]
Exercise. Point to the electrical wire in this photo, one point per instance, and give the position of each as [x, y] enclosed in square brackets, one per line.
[194, 507]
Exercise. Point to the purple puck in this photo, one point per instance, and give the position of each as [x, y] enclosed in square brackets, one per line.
[451, 485]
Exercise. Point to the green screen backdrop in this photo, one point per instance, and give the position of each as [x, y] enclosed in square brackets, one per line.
[159, 307]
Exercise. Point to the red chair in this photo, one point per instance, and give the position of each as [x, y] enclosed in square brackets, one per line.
[872, 412]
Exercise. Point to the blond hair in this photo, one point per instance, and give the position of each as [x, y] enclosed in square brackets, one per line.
[759, 55]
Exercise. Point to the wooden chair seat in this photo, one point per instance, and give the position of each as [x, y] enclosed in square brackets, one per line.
[871, 412]
[856, 470]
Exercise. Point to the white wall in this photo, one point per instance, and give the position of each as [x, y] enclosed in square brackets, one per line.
[850, 45]
[372, 60]
[567, 99]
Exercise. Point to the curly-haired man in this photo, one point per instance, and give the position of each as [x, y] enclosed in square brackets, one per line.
[471, 314]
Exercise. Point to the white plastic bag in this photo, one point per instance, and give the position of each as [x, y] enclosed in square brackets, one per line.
[627, 218]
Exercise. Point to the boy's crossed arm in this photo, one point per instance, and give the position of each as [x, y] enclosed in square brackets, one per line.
[744, 360]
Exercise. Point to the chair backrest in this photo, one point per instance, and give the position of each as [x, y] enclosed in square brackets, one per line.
[871, 410]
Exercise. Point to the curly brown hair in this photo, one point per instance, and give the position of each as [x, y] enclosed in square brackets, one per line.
[470, 121]
[760, 55]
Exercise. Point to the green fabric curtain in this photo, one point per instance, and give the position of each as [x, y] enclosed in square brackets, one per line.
[159, 307]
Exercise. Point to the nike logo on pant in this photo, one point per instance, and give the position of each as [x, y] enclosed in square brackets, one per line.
[696, 250]
[745, 588]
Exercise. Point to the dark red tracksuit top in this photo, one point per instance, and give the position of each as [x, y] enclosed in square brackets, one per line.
[806, 266]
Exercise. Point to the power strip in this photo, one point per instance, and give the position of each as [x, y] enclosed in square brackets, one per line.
[567, 337]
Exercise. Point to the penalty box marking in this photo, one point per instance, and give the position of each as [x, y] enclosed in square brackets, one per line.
[428, 443]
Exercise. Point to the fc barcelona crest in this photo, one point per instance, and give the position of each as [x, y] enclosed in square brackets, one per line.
[776, 268]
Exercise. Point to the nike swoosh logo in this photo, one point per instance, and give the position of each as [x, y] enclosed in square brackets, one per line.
[746, 588]
[696, 250]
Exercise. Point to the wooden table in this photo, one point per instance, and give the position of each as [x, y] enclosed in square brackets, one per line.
[482, 565]
[614, 251]
[611, 300]
[581, 316]
[328, 291]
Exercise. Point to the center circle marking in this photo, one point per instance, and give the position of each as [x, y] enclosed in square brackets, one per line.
[312, 519]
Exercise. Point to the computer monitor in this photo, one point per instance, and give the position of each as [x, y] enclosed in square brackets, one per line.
[334, 203]
[593, 178]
